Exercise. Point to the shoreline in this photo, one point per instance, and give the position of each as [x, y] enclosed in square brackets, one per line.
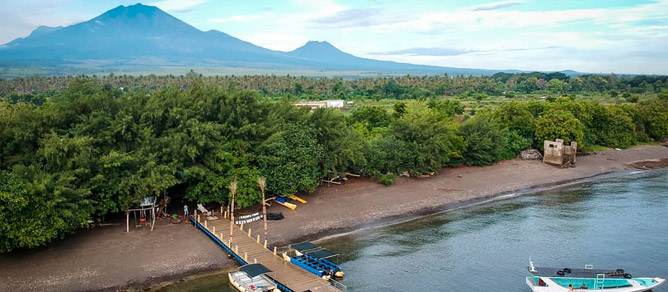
[384, 222]
[176, 252]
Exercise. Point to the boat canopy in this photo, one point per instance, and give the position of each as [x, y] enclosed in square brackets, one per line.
[304, 246]
[322, 254]
[577, 273]
[253, 270]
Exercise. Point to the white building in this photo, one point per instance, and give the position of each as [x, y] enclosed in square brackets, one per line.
[334, 103]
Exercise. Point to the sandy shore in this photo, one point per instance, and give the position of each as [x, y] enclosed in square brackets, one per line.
[110, 259]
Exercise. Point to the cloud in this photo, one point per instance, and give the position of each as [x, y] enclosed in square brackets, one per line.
[495, 5]
[443, 52]
[178, 5]
[427, 52]
[362, 17]
[241, 18]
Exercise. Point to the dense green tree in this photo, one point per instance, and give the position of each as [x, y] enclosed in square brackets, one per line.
[428, 137]
[371, 116]
[483, 141]
[655, 118]
[289, 160]
[558, 124]
[515, 116]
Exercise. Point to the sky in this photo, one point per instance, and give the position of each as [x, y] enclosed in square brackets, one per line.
[594, 36]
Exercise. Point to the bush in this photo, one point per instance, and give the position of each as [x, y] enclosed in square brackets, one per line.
[558, 124]
[513, 144]
[483, 140]
[387, 179]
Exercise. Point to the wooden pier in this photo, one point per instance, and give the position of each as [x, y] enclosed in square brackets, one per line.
[247, 248]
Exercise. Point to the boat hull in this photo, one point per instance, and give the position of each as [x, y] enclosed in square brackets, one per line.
[235, 284]
[550, 285]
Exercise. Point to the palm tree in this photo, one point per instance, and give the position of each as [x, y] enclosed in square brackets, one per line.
[233, 191]
[261, 181]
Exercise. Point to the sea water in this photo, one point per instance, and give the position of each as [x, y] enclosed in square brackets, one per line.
[614, 222]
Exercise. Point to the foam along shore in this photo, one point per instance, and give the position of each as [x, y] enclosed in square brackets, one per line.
[110, 259]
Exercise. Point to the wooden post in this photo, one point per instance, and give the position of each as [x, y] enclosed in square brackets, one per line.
[261, 181]
[274, 250]
[249, 230]
[241, 227]
[127, 221]
[198, 221]
[155, 200]
[236, 249]
[213, 229]
[245, 256]
[221, 237]
[255, 261]
[205, 225]
[258, 238]
[225, 215]
[265, 243]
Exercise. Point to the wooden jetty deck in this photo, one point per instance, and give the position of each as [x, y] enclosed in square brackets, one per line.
[247, 248]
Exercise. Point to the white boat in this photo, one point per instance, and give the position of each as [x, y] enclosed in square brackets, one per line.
[566, 280]
[252, 278]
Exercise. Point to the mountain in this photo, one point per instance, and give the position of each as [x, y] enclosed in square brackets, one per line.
[145, 38]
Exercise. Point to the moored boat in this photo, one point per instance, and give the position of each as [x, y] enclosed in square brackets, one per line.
[316, 260]
[252, 278]
[566, 279]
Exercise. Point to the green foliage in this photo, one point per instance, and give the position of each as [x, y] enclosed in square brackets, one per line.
[558, 124]
[516, 117]
[483, 141]
[371, 116]
[386, 154]
[289, 160]
[611, 126]
[512, 144]
[655, 117]
[36, 207]
[428, 138]
[90, 147]
[387, 179]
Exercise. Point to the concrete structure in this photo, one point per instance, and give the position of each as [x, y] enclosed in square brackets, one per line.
[331, 103]
[312, 104]
[334, 103]
[556, 153]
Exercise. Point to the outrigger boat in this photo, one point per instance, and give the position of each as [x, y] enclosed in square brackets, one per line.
[315, 259]
[252, 278]
[565, 280]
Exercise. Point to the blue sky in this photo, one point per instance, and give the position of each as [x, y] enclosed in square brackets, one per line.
[619, 36]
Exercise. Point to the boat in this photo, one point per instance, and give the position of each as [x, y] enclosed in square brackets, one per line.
[566, 280]
[316, 260]
[252, 278]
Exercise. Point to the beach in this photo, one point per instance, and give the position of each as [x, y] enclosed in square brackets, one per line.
[109, 259]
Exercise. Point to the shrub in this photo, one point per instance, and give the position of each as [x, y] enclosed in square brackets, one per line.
[387, 179]
[558, 124]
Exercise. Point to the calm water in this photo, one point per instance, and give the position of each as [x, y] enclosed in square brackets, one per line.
[619, 222]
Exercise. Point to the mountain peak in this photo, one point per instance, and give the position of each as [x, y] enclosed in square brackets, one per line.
[319, 45]
[319, 50]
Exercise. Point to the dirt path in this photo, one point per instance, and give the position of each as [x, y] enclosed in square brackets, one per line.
[108, 257]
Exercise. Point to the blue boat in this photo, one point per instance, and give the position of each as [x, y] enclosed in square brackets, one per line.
[315, 259]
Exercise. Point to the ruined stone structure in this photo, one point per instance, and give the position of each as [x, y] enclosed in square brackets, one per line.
[556, 153]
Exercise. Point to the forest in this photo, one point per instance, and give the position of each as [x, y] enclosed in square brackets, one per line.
[74, 148]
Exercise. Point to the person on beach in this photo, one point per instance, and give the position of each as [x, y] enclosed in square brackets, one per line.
[185, 211]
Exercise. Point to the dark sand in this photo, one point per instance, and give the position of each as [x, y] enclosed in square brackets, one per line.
[108, 258]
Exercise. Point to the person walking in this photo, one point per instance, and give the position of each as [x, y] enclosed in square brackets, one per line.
[185, 211]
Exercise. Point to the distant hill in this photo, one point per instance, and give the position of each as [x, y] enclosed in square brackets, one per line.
[145, 38]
